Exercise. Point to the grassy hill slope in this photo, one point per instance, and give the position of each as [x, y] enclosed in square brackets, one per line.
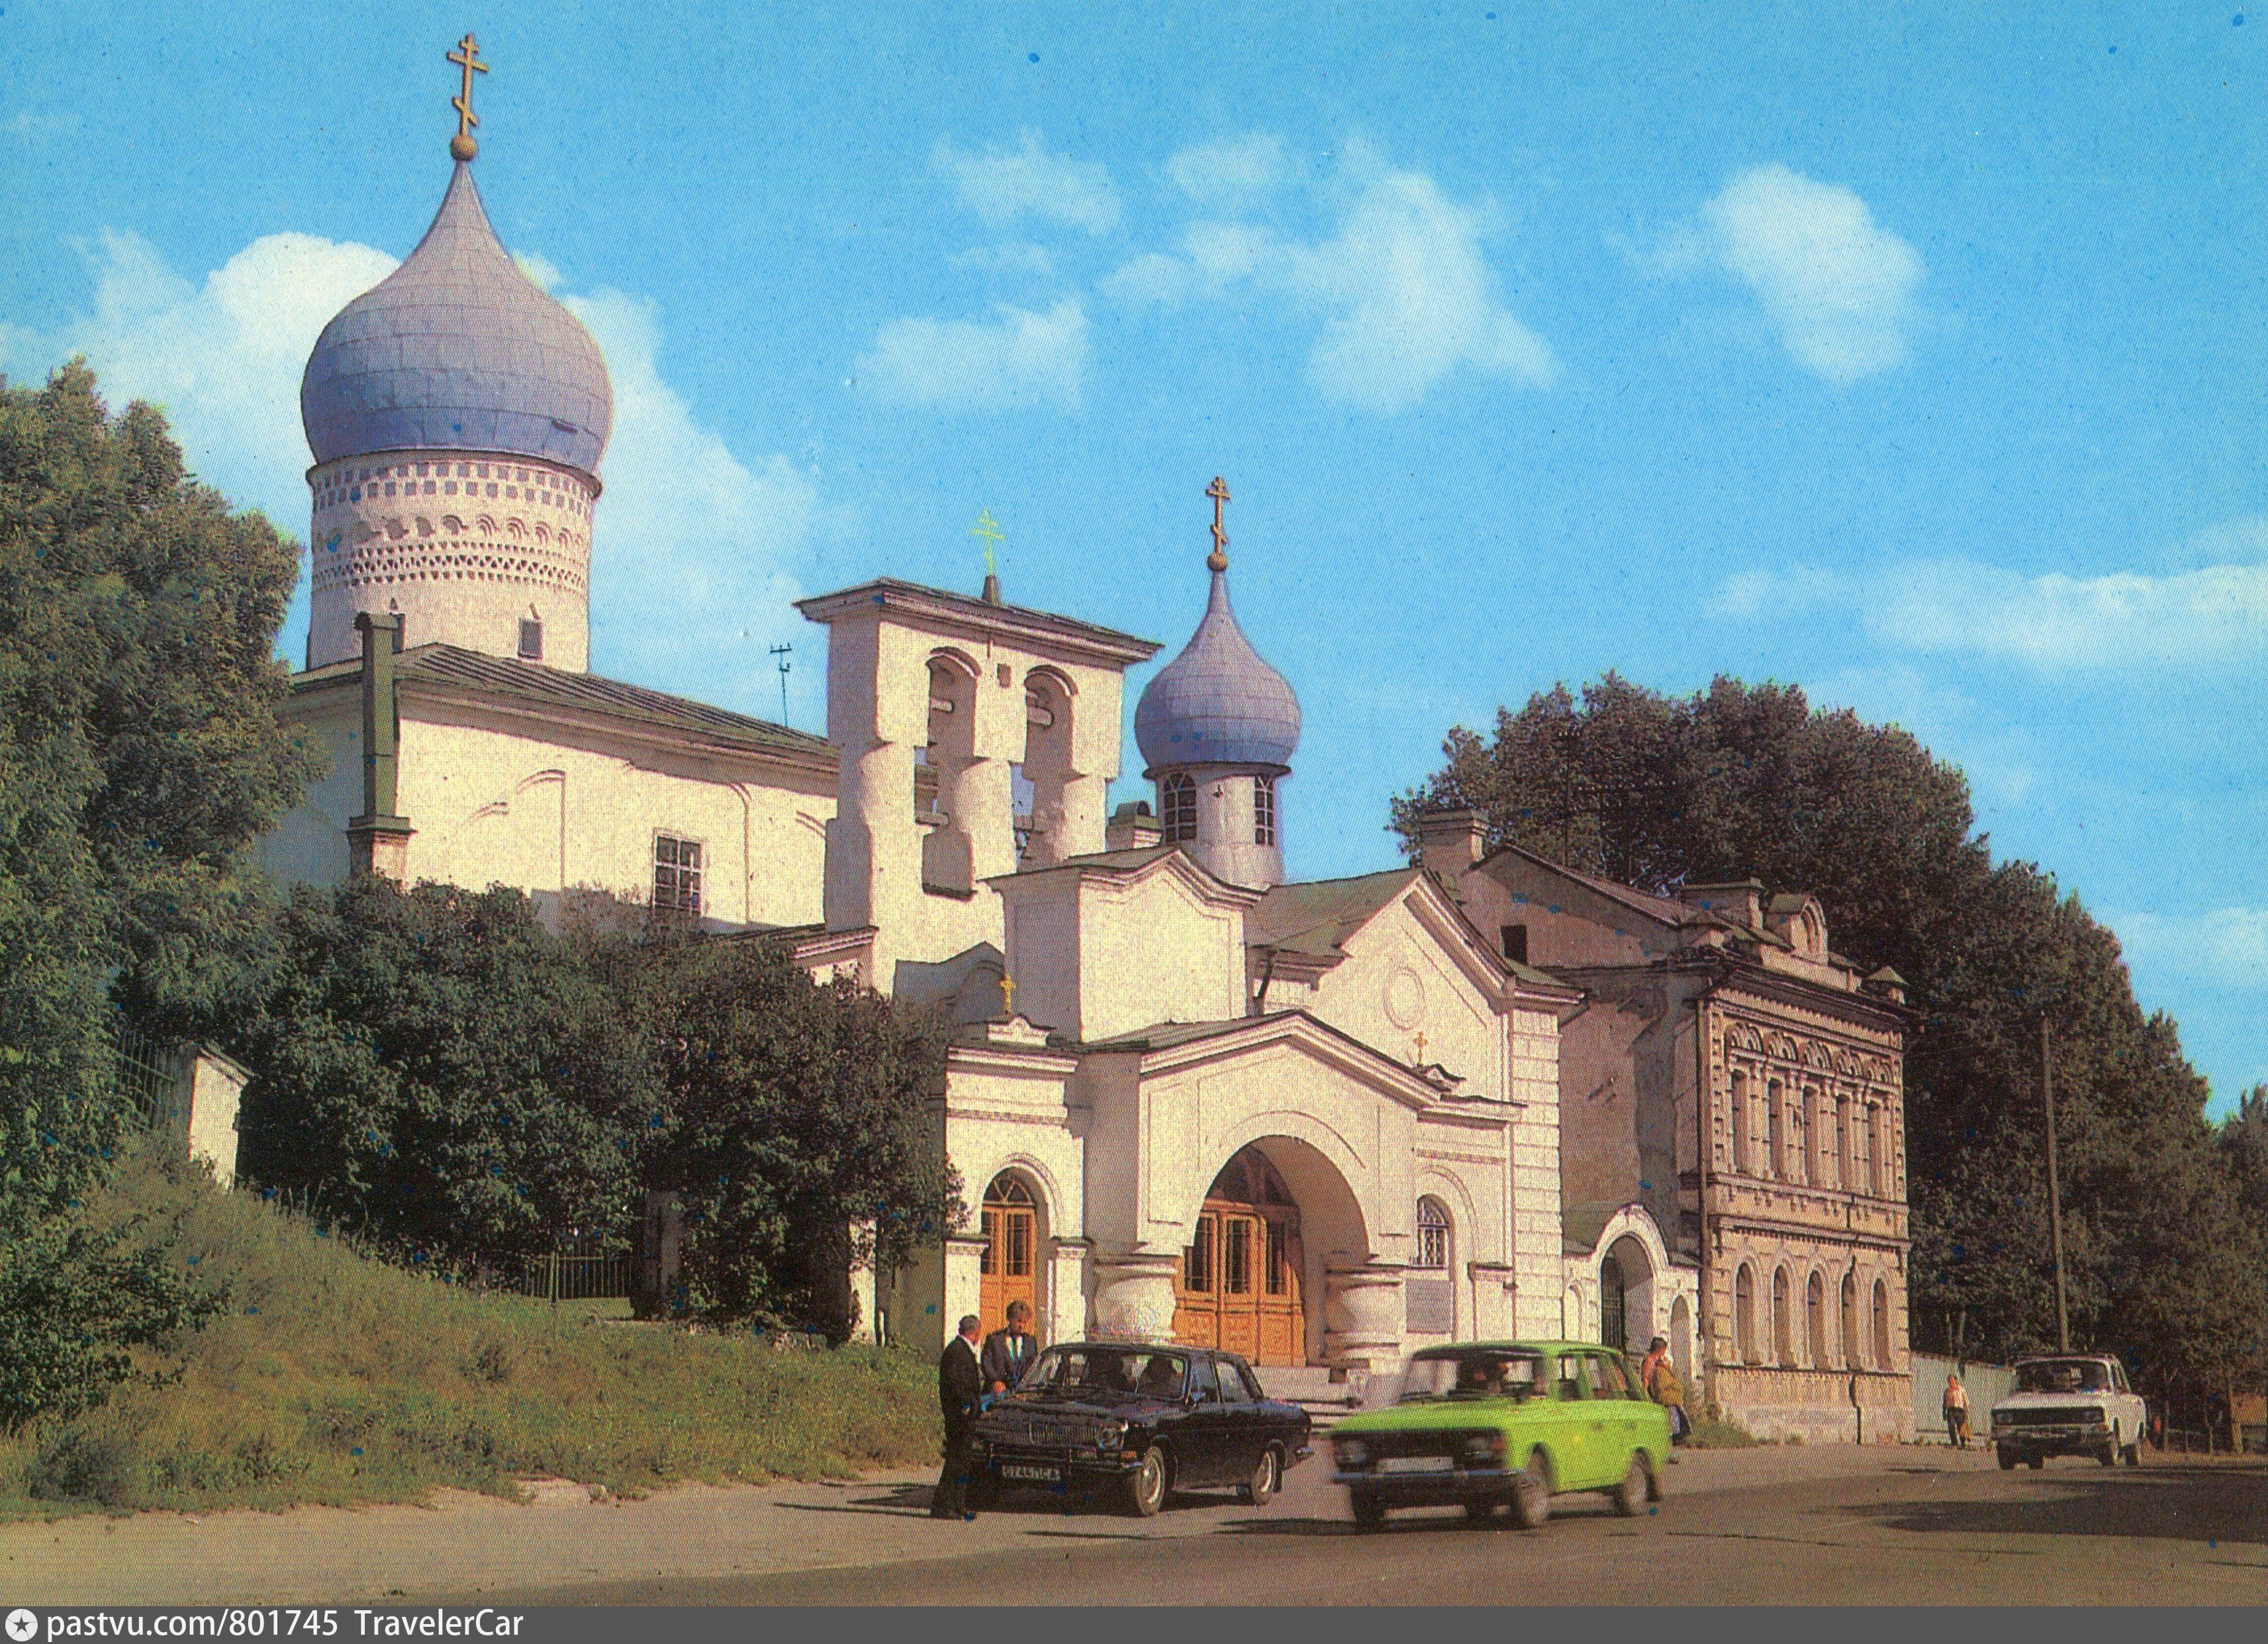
[337, 1379]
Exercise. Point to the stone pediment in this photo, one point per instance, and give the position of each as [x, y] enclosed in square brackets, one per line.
[1172, 1047]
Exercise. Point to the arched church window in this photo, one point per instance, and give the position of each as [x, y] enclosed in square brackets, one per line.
[1264, 811]
[1432, 1237]
[1815, 1319]
[1177, 808]
[1744, 1313]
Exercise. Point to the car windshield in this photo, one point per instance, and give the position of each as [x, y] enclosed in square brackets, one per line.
[2063, 1375]
[1470, 1373]
[1107, 1372]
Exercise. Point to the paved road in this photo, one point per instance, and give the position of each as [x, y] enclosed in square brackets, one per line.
[1896, 1526]
[1815, 1524]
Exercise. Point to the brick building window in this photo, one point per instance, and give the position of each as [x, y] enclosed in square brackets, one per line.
[1744, 1314]
[1740, 1124]
[677, 876]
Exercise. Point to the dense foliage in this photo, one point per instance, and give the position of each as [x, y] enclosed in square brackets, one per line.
[140, 758]
[456, 1082]
[1738, 781]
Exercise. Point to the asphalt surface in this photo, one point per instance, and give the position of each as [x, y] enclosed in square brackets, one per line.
[1911, 1525]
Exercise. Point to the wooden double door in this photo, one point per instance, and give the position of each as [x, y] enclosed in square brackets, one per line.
[1237, 1285]
[1007, 1267]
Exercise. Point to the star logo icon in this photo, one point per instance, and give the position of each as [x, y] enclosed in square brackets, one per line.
[23, 1627]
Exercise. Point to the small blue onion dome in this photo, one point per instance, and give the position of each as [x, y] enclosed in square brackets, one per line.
[458, 350]
[1218, 703]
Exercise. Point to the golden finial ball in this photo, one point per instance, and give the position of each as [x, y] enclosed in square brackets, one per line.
[1215, 561]
[462, 147]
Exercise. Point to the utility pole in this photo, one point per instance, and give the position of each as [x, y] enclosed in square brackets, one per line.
[2055, 1190]
[783, 653]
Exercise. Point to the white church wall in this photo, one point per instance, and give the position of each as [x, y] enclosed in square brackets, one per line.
[309, 846]
[1011, 1112]
[1152, 950]
[493, 805]
[1538, 1266]
[1397, 983]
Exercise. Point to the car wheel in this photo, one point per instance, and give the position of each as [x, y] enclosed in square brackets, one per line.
[2008, 1460]
[1266, 1478]
[1630, 1494]
[2108, 1454]
[2133, 1454]
[1146, 1490]
[1369, 1511]
[1531, 1496]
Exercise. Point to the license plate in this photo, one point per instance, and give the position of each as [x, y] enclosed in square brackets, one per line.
[1416, 1464]
[1037, 1475]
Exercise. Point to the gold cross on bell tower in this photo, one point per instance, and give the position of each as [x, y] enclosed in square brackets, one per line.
[1218, 560]
[467, 56]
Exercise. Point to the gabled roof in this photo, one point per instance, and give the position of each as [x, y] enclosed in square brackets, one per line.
[1417, 1086]
[1316, 918]
[476, 673]
[1134, 862]
[887, 593]
[1661, 909]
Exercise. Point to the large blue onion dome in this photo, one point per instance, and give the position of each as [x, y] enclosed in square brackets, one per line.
[1218, 702]
[458, 350]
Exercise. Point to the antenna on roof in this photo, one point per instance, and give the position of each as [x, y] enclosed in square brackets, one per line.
[783, 652]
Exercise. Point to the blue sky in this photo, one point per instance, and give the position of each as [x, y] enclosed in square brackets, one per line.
[1914, 355]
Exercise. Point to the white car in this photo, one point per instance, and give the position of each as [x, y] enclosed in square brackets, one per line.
[2075, 1403]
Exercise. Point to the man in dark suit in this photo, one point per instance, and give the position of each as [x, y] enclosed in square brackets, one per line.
[960, 1383]
[1008, 1352]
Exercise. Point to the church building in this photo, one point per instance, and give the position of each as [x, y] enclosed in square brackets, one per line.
[1320, 1123]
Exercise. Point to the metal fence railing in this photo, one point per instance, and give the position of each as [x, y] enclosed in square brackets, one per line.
[577, 1276]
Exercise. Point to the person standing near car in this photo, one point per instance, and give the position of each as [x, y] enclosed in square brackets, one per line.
[1956, 1412]
[960, 1383]
[1663, 1386]
[1008, 1351]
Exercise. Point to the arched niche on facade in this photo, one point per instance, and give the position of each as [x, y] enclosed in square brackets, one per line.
[948, 848]
[1051, 703]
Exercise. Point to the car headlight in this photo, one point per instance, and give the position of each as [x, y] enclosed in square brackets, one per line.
[1109, 1435]
[1352, 1452]
[1484, 1447]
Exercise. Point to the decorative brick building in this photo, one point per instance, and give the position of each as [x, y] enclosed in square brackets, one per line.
[1742, 1083]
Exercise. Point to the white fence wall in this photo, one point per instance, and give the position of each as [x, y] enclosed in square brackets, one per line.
[1987, 1385]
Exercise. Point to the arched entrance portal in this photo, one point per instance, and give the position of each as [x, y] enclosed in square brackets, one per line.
[1239, 1284]
[1007, 1268]
[1626, 1320]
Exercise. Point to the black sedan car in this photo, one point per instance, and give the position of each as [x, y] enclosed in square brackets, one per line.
[1136, 1422]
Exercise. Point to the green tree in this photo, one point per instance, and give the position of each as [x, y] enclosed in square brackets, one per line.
[1737, 781]
[141, 758]
[797, 1113]
[440, 1072]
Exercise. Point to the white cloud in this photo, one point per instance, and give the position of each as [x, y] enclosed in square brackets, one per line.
[1020, 358]
[689, 543]
[1013, 257]
[1840, 288]
[1235, 172]
[1004, 185]
[224, 358]
[2120, 621]
[1404, 286]
[37, 125]
[2222, 949]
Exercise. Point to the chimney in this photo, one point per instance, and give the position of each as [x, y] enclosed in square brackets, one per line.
[1450, 843]
[1132, 828]
[1739, 900]
[378, 841]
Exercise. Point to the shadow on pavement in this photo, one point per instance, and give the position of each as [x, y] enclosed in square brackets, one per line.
[2167, 1500]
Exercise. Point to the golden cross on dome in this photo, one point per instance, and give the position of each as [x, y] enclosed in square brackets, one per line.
[467, 56]
[1218, 560]
[989, 528]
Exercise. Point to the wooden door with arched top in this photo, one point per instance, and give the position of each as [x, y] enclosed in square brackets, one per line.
[1237, 1284]
[1007, 1266]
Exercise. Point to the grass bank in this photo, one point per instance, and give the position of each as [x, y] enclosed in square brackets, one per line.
[333, 1378]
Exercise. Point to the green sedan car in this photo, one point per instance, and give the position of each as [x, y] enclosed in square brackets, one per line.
[1489, 1424]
